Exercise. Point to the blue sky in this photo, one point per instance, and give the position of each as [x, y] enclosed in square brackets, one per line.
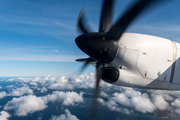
[37, 37]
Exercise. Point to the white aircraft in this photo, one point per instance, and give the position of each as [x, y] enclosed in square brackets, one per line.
[129, 59]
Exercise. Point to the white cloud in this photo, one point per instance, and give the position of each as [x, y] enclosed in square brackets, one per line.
[176, 103]
[25, 105]
[142, 103]
[159, 102]
[167, 97]
[177, 111]
[66, 116]
[135, 99]
[20, 79]
[131, 93]
[101, 101]
[165, 94]
[129, 98]
[61, 86]
[0, 87]
[55, 50]
[17, 92]
[123, 98]
[112, 105]
[44, 89]
[33, 83]
[4, 115]
[31, 103]
[69, 82]
[9, 86]
[103, 94]
[176, 93]
[60, 83]
[53, 58]
[2, 94]
[67, 98]
[20, 91]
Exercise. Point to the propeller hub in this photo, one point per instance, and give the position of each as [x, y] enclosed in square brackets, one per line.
[98, 46]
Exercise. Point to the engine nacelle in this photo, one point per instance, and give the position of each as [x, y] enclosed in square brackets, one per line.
[110, 74]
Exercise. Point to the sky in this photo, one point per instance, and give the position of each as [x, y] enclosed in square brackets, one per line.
[38, 37]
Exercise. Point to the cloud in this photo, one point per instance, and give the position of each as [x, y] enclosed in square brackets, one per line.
[74, 82]
[33, 83]
[131, 93]
[21, 79]
[124, 99]
[176, 103]
[143, 104]
[165, 94]
[4, 115]
[2, 94]
[67, 98]
[145, 101]
[135, 99]
[25, 105]
[55, 50]
[159, 102]
[61, 86]
[20, 91]
[103, 94]
[52, 58]
[66, 116]
[112, 105]
[16, 92]
[63, 82]
[71, 82]
[31, 103]
[131, 99]
[44, 89]
[9, 86]
[60, 83]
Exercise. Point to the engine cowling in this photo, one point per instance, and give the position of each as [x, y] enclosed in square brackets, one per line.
[110, 74]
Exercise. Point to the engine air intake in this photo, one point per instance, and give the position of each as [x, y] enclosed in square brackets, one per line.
[110, 74]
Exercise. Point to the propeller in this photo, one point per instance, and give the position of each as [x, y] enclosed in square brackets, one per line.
[94, 108]
[87, 61]
[81, 22]
[106, 16]
[102, 46]
[120, 26]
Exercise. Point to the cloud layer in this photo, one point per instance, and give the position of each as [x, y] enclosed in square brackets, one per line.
[29, 104]
[115, 98]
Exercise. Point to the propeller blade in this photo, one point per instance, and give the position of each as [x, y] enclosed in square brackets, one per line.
[117, 30]
[94, 107]
[82, 23]
[106, 16]
[99, 71]
[87, 61]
